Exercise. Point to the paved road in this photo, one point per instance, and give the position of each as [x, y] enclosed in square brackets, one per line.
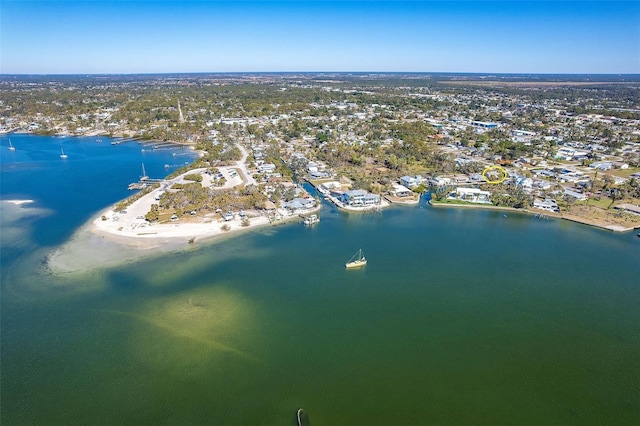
[242, 165]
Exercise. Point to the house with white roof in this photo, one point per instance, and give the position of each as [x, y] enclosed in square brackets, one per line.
[299, 204]
[267, 168]
[472, 195]
[547, 205]
[410, 181]
[525, 183]
[440, 181]
[401, 191]
[575, 194]
[601, 165]
[359, 197]
[327, 187]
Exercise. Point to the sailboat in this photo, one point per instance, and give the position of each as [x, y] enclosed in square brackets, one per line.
[144, 176]
[11, 147]
[62, 155]
[357, 260]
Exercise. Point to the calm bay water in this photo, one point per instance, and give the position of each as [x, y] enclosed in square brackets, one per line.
[460, 317]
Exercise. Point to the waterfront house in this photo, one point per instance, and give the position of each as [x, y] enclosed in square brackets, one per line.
[354, 197]
[327, 187]
[440, 181]
[371, 199]
[299, 204]
[401, 191]
[547, 205]
[359, 197]
[472, 195]
[319, 175]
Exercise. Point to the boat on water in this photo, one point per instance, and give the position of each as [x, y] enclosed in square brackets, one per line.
[144, 176]
[11, 147]
[357, 260]
[311, 219]
[302, 417]
[63, 155]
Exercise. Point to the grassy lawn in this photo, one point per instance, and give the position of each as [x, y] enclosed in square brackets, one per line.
[603, 203]
[625, 172]
[317, 182]
[467, 203]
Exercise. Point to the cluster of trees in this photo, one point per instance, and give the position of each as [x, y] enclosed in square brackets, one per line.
[371, 152]
[509, 195]
[186, 198]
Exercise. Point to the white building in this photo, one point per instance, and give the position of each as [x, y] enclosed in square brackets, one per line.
[547, 205]
[472, 195]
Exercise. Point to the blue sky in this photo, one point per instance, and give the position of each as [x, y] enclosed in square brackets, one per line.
[67, 37]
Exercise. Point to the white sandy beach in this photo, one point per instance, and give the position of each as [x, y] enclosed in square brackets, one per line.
[103, 243]
[114, 237]
[130, 226]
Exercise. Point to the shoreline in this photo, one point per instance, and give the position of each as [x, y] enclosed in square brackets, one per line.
[126, 230]
[103, 243]
[93, 247]
[571, 218]
[101, 134]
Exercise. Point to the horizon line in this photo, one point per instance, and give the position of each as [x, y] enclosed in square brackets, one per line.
[321, 72]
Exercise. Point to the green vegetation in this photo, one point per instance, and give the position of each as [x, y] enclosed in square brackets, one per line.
[183, 199]
[154, 213]
[454, 202]
[503, 195]
[368, 129]
[195, 177]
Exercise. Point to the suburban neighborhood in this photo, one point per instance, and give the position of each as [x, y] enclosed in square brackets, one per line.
[365, 142]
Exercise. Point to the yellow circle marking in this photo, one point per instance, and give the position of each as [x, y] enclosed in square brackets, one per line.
[496, 174]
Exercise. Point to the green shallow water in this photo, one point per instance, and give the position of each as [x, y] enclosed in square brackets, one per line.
[460, 317]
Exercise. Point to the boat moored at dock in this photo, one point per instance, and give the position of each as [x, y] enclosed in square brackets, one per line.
[311, 219]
